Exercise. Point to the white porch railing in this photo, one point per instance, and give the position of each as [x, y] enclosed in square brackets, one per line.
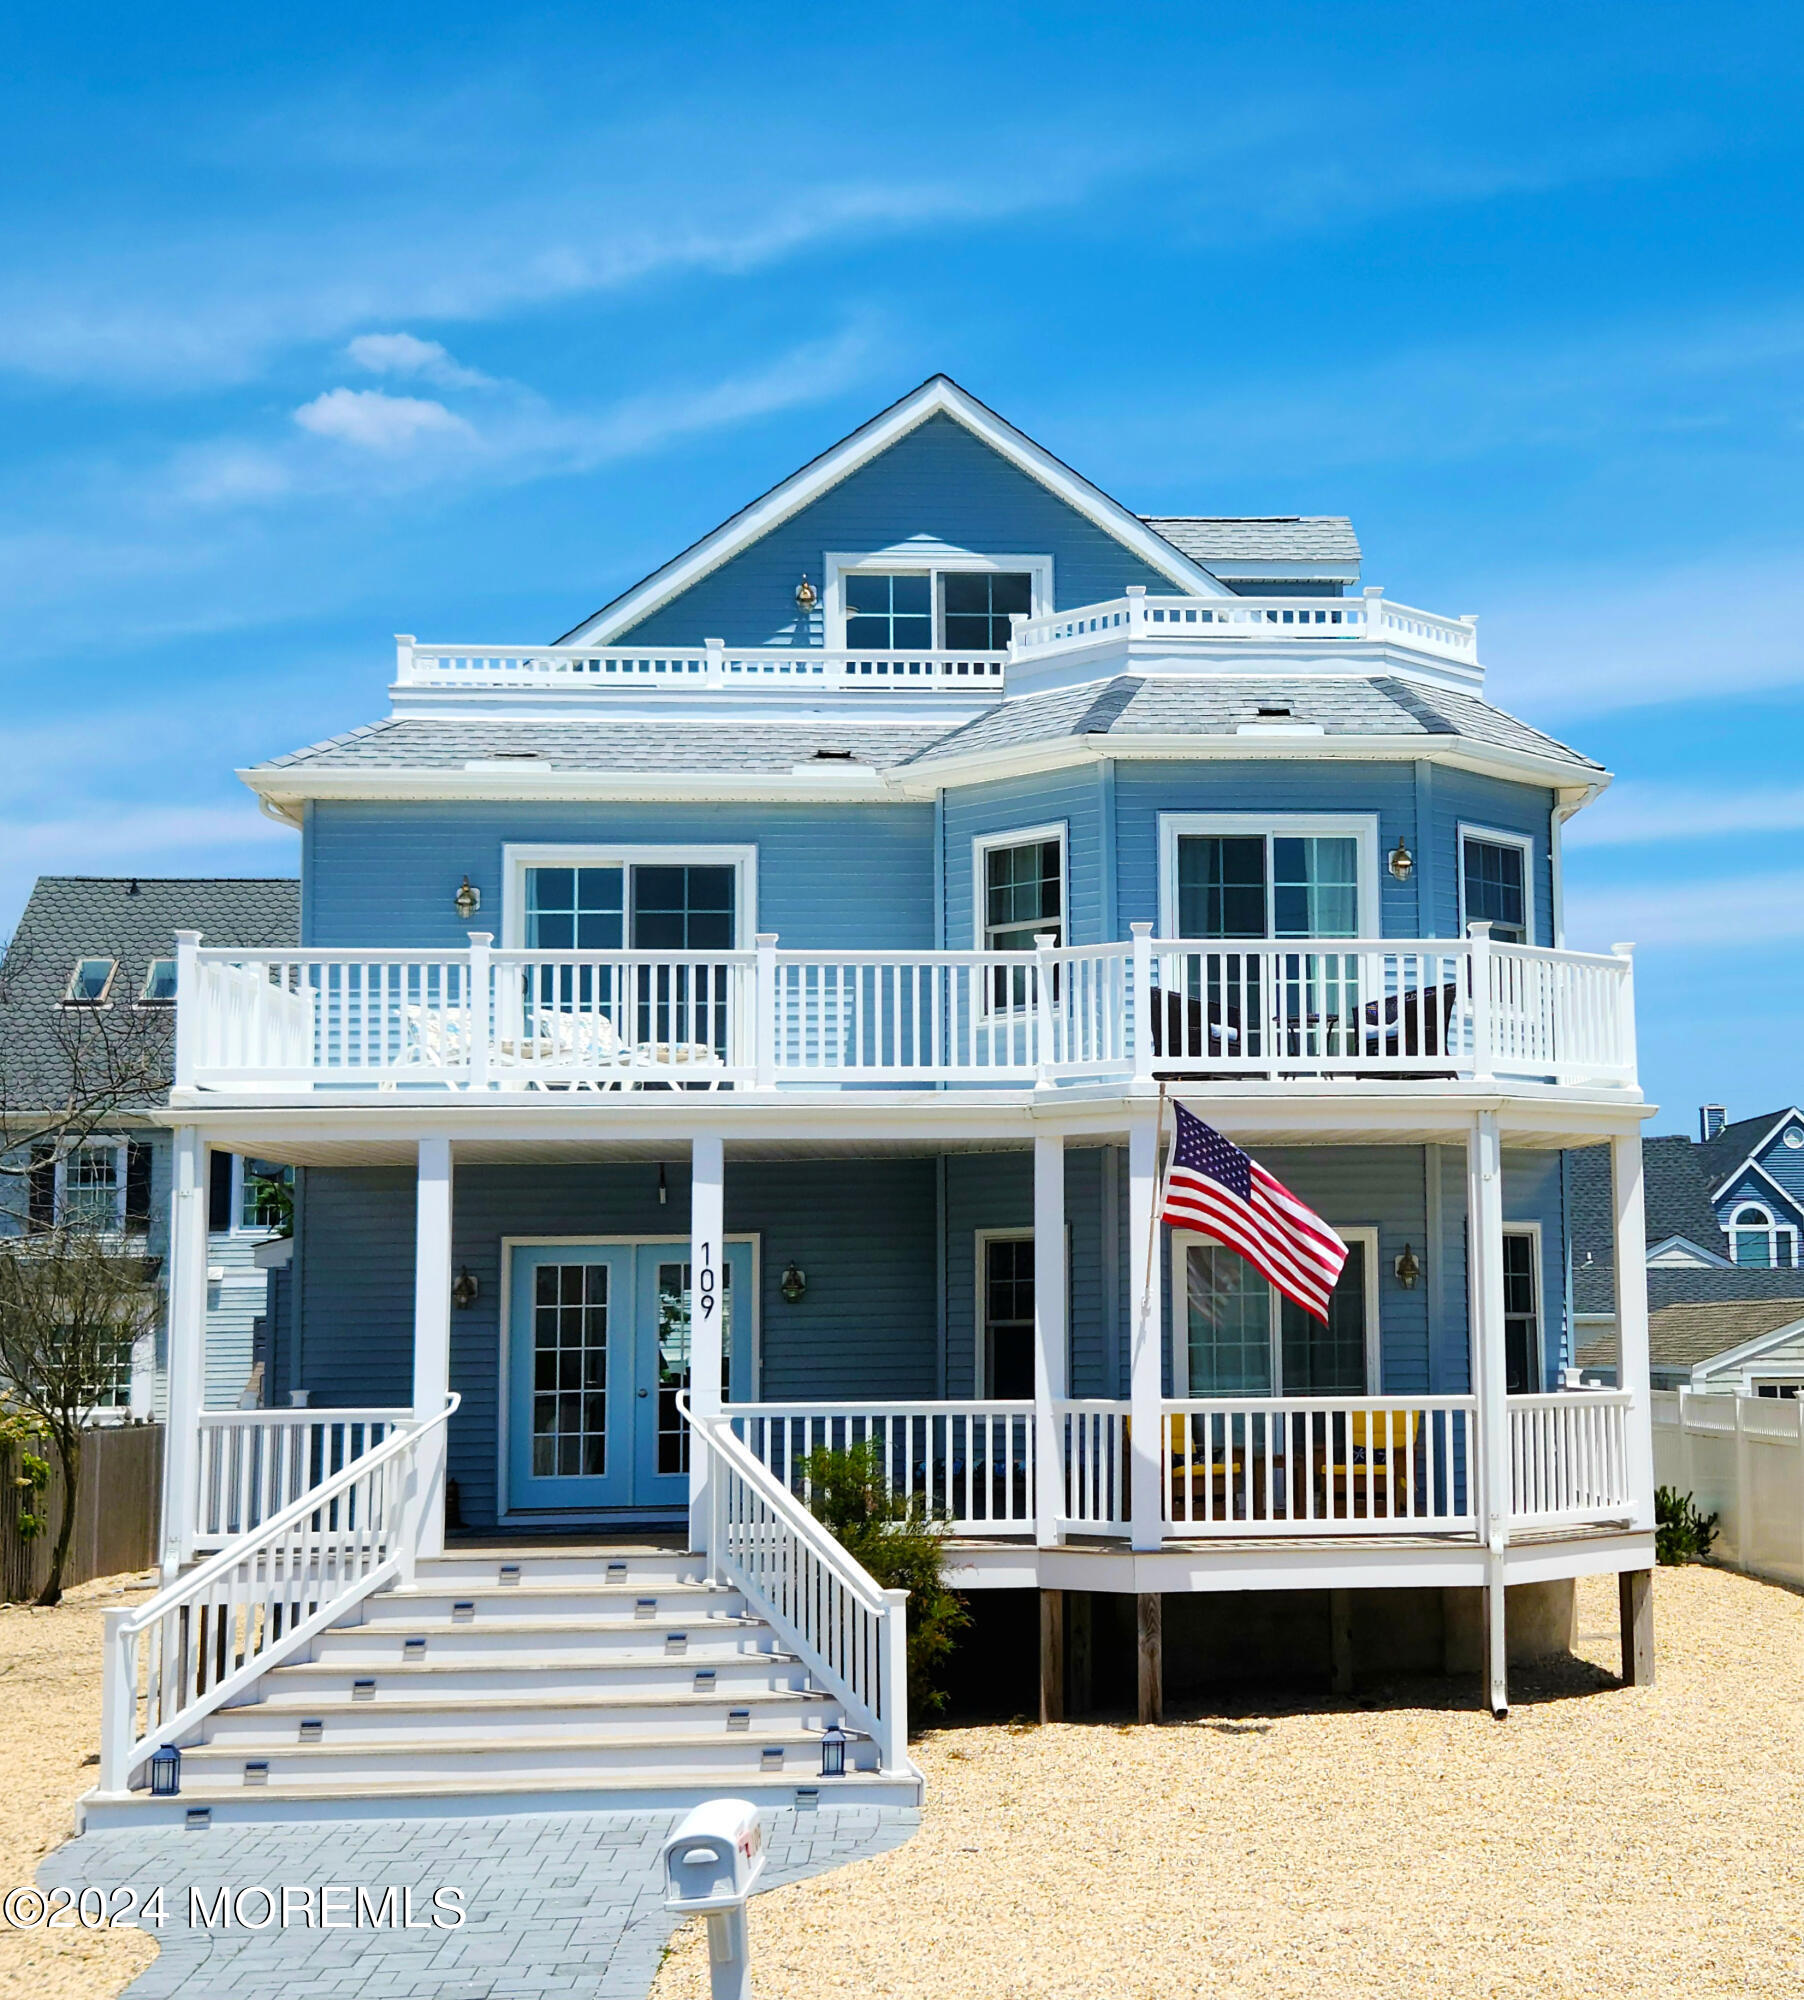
[1095, 1436]
[819, 1600]
[254, 1463]
[210, 1634]
[1345, 1465]
[1569, 1457]
[968, 1463]
[709, 665]
[482, 1019]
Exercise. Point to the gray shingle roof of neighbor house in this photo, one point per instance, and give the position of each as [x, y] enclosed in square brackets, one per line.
[1680, 1336]
[1732, 1145]
[1213, 538]
[1675, 1199]
[130, 919]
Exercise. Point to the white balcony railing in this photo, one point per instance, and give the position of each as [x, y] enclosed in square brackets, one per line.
[709, 665]
[254, 1463]
[481, 1019]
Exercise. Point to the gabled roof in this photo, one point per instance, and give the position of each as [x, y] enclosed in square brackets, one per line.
[1690, 1334]
[1735, 1145]
[132, 919]
[939, 395]
[1675, 1202]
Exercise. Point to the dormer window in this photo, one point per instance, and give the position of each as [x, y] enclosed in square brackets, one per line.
[90, 982]
[963, 604]
[159, 983]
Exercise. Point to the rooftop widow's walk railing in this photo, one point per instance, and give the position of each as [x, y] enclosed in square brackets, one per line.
[487, 1019]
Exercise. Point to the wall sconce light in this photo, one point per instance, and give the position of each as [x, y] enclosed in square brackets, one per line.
[464, 1288]
[794, 1283]
[807, 597]
[1407, 1268]
[1401, 862]
[467, 901]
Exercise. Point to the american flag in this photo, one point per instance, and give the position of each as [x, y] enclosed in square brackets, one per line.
[1212, 1186]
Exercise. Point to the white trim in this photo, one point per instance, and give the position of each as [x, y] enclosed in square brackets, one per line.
[1746, 1351]
[1361, 827]
[930, 559]
[238, 1226]
[1532, 1230]
[104, 997]
[980, 1372]
[1700, 1257]
[504, 1379]
[1787, 1200]
[1497, 837]
[516, 858]
[1365, 1233]
[1752, 1157]
[1771, 1228]
[1025, 836]
[939, 396]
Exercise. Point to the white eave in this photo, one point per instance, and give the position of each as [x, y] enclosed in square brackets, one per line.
[939, 396]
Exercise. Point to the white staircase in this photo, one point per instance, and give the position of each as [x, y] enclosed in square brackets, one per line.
[516, 1680]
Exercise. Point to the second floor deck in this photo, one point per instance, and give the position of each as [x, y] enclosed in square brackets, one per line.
[769, 1020]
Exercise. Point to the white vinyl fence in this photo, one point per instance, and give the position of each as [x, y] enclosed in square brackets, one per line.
[1742, 1458]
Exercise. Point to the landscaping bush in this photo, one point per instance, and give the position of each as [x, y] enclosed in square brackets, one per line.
[1681, 1533]
[902, 1543]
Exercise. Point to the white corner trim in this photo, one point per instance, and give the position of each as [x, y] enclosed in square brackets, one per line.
[1360, 827]
[938, 397]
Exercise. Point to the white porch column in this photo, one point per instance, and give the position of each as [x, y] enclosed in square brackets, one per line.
[187, 1349]
[432, 1336]
[1051, 1370]
[1490, 1382]
[1631, 1318]
[707, 1219]
[1146, 1337]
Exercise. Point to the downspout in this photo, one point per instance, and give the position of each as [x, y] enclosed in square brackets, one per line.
[1562, 812]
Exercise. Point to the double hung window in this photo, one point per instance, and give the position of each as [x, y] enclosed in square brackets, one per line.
[1020, 891]
[1007, 1290]
[1494, 885]
[1522, 1312]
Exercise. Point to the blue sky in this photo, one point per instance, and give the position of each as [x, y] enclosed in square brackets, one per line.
[455, 321]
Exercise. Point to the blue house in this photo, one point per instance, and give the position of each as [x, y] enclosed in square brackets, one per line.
[750, 1023]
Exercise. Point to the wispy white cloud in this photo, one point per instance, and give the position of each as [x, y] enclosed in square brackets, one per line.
[1753, 912]
[406, 354]
[373, 420]
[145, 837]
[1640, 814]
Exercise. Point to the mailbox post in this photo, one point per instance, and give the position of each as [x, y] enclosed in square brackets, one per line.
[711, 1864]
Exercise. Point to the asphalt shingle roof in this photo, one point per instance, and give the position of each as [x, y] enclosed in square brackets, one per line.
[129, 919]
[1680, 1336]
[1210, 538]
[1732, 1145]
[1675, 1202]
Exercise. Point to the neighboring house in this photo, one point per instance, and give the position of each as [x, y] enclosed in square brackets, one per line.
[1732, 1347]
[1734, 1277]
[745, 1024]
[106, 944]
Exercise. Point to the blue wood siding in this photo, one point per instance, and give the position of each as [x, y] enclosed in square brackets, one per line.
[1785, 1164]
[1473, 798]
[1070, 799]
[939, 485]
[858, 876]
[1779, 1202]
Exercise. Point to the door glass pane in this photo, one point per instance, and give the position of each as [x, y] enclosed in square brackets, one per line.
[1521, 1316]
[570, 1371]
[1315, 886]
[1221, 886]
[683, 908]
[1228, 1317]
[1329, 1360]
[1495, 890]
[1008, 1299]
[673, 1358]
[574, 909]
[888, 613]
[978, 607]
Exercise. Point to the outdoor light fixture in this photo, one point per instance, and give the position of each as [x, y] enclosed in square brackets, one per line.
[1408, 1270]
[1402, 863]
[833, 1752]
[794, 1283]
[464, 1288]
[807, 597]
[468, 900]
[663, 1186]
[165, 1772]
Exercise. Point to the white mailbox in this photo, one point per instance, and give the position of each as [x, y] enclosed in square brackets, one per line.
[711, 1865]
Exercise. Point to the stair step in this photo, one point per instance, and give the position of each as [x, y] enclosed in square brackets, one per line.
[501, 1719]
[484, 1571]
[527, 1674]
[593, 1638]
[559, 1600]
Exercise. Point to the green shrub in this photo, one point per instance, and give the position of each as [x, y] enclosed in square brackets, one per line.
[903, 1545]
[1681, 1533]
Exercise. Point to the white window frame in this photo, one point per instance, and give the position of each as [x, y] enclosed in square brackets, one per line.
[241, 1165]
[1532, 1230]
[980, 1363]
[120, 1149]
[1495, 836]
[1360, 827]
[984, 844]
[1771, 1228]
[144, 994]
[105, 996]
[516, 860]
[1183, 1240]
[911, 559]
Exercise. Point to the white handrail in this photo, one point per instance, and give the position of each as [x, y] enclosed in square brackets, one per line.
[253, 1463]
[1569, 1456]
[813, 1593]
[208, 1635]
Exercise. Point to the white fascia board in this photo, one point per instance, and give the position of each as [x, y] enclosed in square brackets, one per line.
[1749, 1350]
[939, 397]
[1753, 1166]
[1704, 1258]
[1291, 569]
[1791, 1116]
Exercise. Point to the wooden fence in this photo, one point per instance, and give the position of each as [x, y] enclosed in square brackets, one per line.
[116, 1511]
[1742, 1459]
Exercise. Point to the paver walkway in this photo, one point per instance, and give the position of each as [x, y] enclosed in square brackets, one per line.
[564, 1904]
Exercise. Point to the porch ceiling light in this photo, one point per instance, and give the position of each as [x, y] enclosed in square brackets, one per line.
[794, 1283]
[464, 1288]
[468, 900]
[1407, 1268]
[1401, 862]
